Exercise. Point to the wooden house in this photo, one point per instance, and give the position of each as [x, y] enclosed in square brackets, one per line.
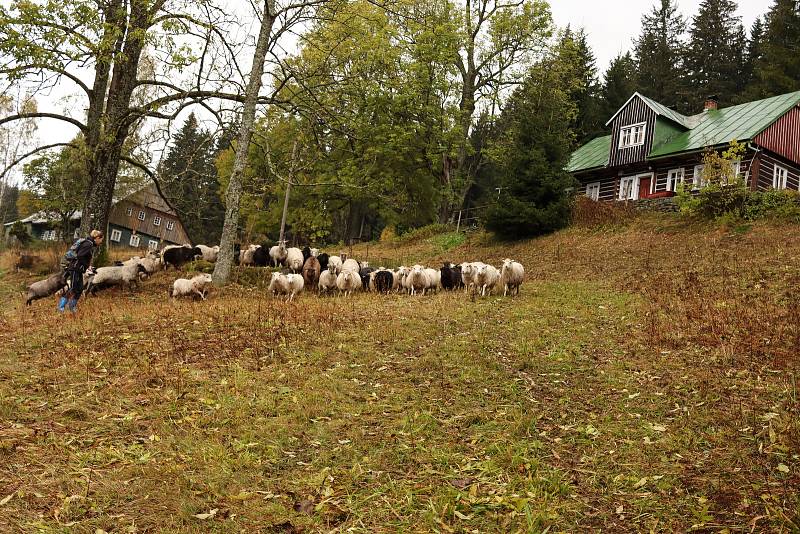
[652, 148]
[140, 220]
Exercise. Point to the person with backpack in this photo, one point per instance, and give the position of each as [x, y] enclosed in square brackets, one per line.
[74, 263]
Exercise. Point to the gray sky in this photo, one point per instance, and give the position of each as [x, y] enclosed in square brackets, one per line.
[613, 24]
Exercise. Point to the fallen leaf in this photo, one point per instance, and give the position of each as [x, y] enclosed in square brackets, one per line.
[658, 428]
[305, 506]
[783, 468]
[462, 483]
[642, 482]
[211, 513]
[7, 498]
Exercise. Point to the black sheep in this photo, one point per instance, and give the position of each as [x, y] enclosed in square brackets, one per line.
[261, 256]
[451, 276]
[323, 261]
[383, 281]
[177, 256]
[306, 254]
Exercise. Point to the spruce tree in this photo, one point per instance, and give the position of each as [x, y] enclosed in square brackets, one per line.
[533, 145]
[659, 52]
[777, 71]
[620, 83]
[189, 180]
[8, 204]
[715, 53]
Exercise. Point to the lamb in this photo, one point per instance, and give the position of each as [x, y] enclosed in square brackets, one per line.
[348, 281]
[151, 262]
[512, 274]
[383, 281]
[468, 271]
[311, 272]
[278, 254]
[197, 285]
[434, 278]
[351, 265]
[294, 259]
[278, 284]
[450, 276]
[209, 253]
[334, 264]
[295, 284]
[112, 276]
[327, 281]
[402, 279]
[486, 277]
[418, 279]
[44, 288]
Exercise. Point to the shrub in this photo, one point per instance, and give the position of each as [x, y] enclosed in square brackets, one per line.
[587, 212]
[775, 203]
[424, 232]
[20, 233]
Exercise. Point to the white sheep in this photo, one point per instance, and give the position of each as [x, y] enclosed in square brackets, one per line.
[294, 259]
[197, 285]
[468, 270]
[278, 254]
[402, 279]
[434, 278]
[209, 253]
[348, 281]
[246, 256]
[117, 275]
[335, 264]
[486, 277]
[417, 279]
[512, 274]
[350, 265]
[278, 284]
[295, 284]
[315, 252]
[327, 281]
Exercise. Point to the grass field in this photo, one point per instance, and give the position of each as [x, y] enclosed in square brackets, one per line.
[644, 380]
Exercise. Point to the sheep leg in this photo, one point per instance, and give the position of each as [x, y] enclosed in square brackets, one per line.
[505, 289]
[200, 293]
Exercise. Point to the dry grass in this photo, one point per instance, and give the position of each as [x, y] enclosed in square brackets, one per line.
[644, 380]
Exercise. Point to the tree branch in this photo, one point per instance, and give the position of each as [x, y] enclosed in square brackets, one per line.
[64, 118]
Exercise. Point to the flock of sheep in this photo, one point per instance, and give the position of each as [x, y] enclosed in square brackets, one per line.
[305, 269]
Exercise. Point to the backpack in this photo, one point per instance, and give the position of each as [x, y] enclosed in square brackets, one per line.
[70, 259]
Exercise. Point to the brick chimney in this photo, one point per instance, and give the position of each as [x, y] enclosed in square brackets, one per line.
[711, 103]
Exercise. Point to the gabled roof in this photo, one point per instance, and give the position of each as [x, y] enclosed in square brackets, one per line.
[658, 109]
[721, 126]
[42, 217]
[592, 155]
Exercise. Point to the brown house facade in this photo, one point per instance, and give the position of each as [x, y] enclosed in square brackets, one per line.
[144, 220]
[653, 149]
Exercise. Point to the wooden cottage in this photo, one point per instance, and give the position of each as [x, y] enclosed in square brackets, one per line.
[140, 220]
[652, 148]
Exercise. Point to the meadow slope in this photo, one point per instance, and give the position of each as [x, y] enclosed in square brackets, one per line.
[644, 380]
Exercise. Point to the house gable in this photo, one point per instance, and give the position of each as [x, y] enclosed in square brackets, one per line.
[636, 113]
[782, 136]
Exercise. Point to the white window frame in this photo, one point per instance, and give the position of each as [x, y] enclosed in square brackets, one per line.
[697, 178]
[134, 241]
[152, 244]
[593, 190]
[157, 220]
[142, 215]
[170, 225]
[129, 211]
[633, 192]
[780, 177]
[116, 235]
[628, 135]
[675, 177]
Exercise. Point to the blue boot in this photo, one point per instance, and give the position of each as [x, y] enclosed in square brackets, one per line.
[61, 303]
[72, 305]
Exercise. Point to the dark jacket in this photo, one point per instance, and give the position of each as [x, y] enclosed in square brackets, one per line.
[84, 253]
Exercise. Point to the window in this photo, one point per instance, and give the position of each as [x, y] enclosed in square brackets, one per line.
[698, 180]
[152, 245]
[632, 135]
[593, 190]
[170, 225]
[628, 188]
[116, 236]
[134, 242]
[779, 177]
[129, 211]
[49, 235]
[141, 215]
[157, 221]
[674, 177]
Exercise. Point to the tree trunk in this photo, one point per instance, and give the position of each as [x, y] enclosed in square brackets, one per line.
[233, 196]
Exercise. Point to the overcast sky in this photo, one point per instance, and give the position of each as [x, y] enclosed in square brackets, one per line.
[612, 25]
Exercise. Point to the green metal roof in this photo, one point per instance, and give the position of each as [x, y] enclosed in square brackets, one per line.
[593, 154]
[663, 110]
[719, 127]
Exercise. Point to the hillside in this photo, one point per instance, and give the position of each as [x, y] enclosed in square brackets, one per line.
[645, 379]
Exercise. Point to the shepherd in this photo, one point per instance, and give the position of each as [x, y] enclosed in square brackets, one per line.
[74, 263]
